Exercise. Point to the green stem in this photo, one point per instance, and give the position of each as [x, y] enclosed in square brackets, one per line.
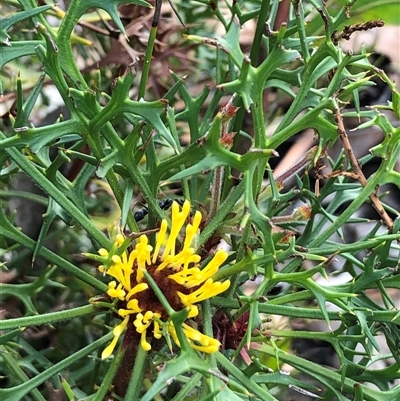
[30, 5]
[224, 210]
[47, 318]
[107, 381]
[67, 59]
[18, 373]
[310, 75]
[18, 392]
[9, 231]
[216, 10]
[188, 388]
[373, 183]
[136, 381]
[141, 182]
[161, 297]
[216, 191]
[149, 51]
[309, 120]
[40, 200]
[49, 188]
[339, 248]
[256, 46]
[244, 380]
[319, 372]
[301, 30]
[306, 313]
[312, 335]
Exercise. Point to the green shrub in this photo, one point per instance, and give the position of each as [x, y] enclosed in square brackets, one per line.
[126, 142]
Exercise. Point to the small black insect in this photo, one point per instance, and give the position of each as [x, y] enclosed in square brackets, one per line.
[164, 204]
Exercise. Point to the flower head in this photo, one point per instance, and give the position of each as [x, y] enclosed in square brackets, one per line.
[174, 267]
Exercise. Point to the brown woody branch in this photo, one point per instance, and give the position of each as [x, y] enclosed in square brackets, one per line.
[357, 172]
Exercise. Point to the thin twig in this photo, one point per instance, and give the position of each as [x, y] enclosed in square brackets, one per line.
[358, 174]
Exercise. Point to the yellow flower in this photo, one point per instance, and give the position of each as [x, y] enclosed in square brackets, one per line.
[174, 267]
